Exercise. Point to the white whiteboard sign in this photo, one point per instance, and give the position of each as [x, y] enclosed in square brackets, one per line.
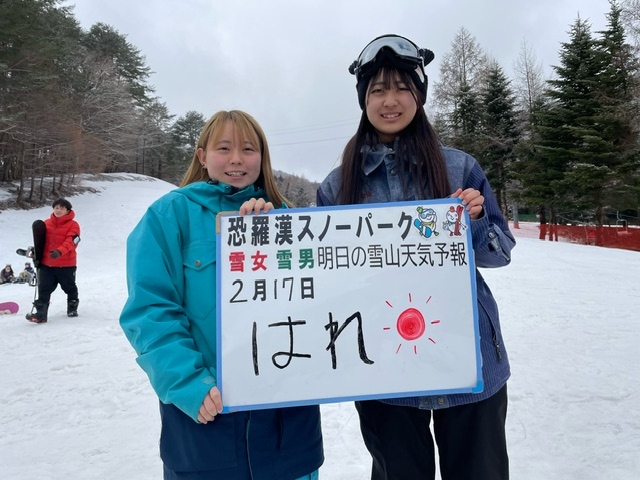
[330, 304]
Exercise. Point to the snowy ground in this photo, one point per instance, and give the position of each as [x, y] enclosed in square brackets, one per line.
[75, 406]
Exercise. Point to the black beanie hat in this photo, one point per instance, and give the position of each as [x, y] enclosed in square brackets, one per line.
[386, 57]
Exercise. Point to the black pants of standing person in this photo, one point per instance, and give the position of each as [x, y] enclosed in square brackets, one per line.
[471, 440]
[50, 277]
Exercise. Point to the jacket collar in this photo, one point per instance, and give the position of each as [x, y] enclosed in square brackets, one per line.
[204, 192]
[375, 155]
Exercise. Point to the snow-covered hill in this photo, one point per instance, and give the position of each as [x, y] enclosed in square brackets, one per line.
[74, 405]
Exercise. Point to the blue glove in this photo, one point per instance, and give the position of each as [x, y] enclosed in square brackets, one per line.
[55, 253]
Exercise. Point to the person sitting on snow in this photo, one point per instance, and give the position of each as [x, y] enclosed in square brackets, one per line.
[7, 275]
[27, 275]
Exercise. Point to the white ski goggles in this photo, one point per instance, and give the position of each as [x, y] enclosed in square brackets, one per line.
[404, 49]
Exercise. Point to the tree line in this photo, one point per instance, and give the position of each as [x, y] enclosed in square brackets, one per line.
[564, 148]
[76, 101]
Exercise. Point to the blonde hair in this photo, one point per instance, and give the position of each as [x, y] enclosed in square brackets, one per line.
[248, 128]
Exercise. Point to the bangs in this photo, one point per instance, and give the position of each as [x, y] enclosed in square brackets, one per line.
[391, 77]
[243, 129]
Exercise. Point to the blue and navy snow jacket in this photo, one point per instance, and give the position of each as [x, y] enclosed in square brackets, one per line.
[170, 320]
[492, 244]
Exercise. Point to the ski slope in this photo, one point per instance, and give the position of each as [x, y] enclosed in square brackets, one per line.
[74, 405]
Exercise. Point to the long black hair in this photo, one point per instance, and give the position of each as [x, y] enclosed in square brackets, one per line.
[419, 154]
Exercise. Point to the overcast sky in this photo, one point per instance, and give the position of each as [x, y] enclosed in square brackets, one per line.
[285, 61]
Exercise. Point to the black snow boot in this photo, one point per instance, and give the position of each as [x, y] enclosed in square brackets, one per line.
[72, 308]
[40, 315]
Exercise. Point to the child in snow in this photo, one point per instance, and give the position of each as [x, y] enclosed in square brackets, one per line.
[58, 265]
[170, 318]
[394, 156]
[7, 276]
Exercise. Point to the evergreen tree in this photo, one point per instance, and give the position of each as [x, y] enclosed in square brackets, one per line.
[569, 142]
[498, 134]
[464, 121]
[618, 116]
[108, 44]
[532, 170]
[184, 134]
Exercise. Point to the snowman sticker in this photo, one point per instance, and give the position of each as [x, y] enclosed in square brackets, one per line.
[452, 223]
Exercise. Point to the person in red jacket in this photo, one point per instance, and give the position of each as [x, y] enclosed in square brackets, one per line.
[58, 265]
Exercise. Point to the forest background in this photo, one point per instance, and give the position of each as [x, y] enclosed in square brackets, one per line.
[561, 150]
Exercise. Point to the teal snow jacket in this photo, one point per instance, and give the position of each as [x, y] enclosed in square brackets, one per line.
[170, 320]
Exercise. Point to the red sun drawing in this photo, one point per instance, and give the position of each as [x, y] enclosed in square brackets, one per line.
[411, 325]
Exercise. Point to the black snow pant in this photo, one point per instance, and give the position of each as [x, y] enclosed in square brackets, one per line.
[50, 277]
[471, 440]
